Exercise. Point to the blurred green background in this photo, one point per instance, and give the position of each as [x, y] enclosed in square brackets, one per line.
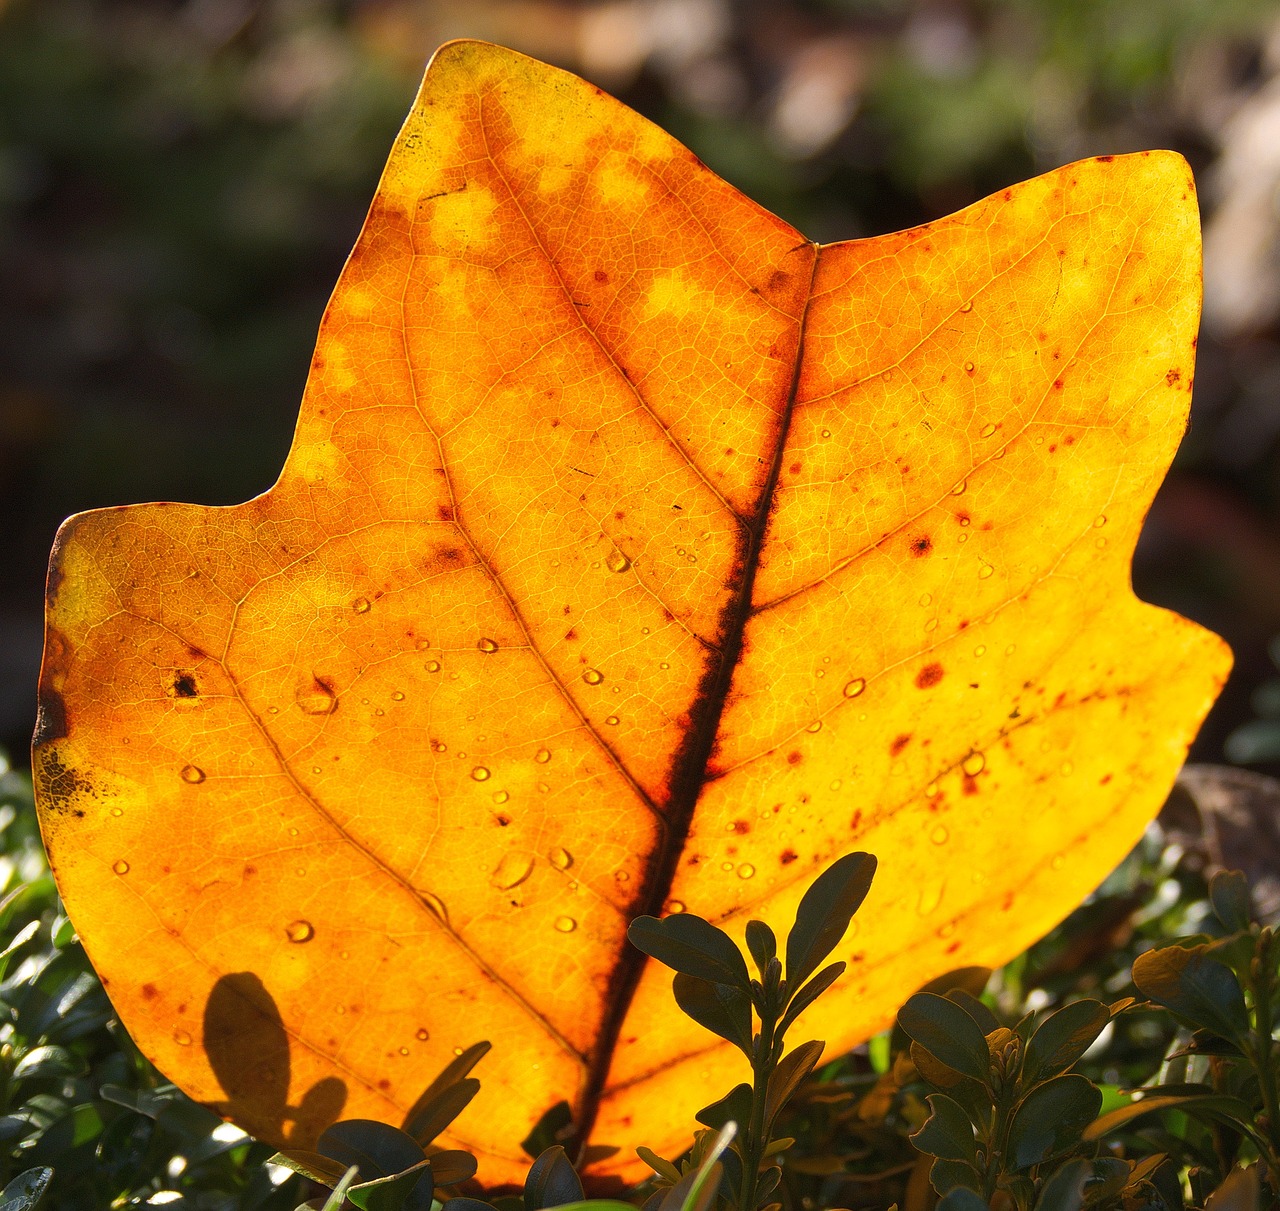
[180, 182]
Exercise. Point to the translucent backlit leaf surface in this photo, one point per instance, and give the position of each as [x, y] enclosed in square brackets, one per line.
[633, 554]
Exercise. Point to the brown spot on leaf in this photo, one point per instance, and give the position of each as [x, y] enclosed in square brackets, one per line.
[794, 757]
[788, 856]
[922, 544]
[928, 676]
[899, 743]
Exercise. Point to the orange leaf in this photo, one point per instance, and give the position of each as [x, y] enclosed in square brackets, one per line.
[632, 551]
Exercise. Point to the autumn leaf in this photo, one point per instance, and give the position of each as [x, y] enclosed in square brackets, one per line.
[633, 554]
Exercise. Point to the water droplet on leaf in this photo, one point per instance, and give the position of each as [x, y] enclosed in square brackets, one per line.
[192, 774]
[617, 561]
[436, 906]
[855, 687]
[930, 898]
[513, 870]
[974, 764]
[593, 676]
[121, 867]
[361, 605]
[566, 924]
[746, 871]
[486, 645]
[940, 835]
[316, 699]
[987, 430]
[560, 858]
[182, 1038]
[300, 931]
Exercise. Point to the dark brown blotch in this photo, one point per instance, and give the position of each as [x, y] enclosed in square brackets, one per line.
[929, 676]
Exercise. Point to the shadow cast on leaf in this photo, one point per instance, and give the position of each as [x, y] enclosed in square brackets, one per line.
[248, 1049]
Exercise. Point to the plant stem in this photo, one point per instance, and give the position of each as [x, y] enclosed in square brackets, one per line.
[1264, 1060]
[754, 1143]
[995, 1145]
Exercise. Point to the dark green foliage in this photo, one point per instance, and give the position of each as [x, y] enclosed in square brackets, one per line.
[987, 1110]
[711, 985]
[825, 912]
[552, 1182]
[693, 947]
[947, 1032]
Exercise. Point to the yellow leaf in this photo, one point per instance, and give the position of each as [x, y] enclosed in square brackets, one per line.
[633, 553]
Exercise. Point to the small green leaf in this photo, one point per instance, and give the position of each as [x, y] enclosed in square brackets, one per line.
[722, 1009]
[1062, 1038]
[1195, 987]
[948, 1033]
[429, 1118]
[1240, 1191]
[410, 1190]
[663, 1167]
[693, 946]
[452, 1073]
[451, 1165]
[1064, 1191]
[706, 1181]
[49, 1062]
[338, 1198]
[26, 1192]
[595, 1204]
[947, 1132]
[1051, 1118]
[552, 1181]
[1217, 1107]
[377, 1148]
[987, 1021]
[311, 1165]
[1229, 895]
[787, 1076]
[945, 1176]
[824, 913]
[735, 1106]
[762, 942]
[810, 993]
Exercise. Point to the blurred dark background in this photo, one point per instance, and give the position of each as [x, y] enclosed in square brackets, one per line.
[180, 182]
